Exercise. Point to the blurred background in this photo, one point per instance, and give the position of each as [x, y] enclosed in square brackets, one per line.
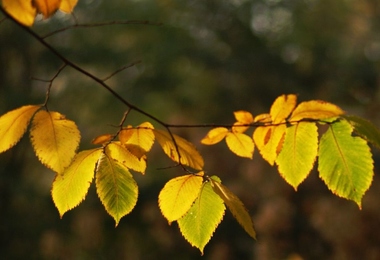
[206, 60]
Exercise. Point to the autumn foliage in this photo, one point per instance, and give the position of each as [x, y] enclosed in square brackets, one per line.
[294, 136]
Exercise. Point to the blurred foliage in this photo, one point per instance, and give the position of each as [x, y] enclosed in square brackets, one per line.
[207, 59]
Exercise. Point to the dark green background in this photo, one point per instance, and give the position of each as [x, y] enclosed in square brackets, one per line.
[207, 59]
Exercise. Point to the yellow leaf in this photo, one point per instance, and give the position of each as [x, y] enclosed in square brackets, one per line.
[215, 135]
[282, 107]
[188, 153]
[14, 124]
[54, 139]
[235, 205]
[243, 117]
[102, 139]
[315, 109]
[268, 140]
[240, 144]
[67, 6]
[22, 10]
[263, 118]
[70, 188]
[47, 7]
[178, 194]
[142, 136]
[121, 154]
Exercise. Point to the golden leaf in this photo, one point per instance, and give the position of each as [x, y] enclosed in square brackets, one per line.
[268, 140]
[102, 139]
[178, 194]
[22, 10]
[240, 144]
[315, 109]
[54, 139]
[14, 124]
[215, 135]
[263, 118]
[47, 7]
[70, 188]
[121, 154]
[67, 6]
[141, 136]
[235, 205]
[244, 117]
[188, 153]
[282, 107]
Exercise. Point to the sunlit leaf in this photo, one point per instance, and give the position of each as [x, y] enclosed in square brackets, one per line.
[116, 187]
[215, 135]
[22, 10]
[243, 117]
[178, 194]
[365, 129]
[121, 154]
[315, 109]
[54, 138]
[47, 7]
[263, 118]
[67, 6]
[141, 136]
[236, 206]
[269, 139]
[240, 144]
[102, 139]
[200, 222]
[14, 124]
[188, 153]
[345, 162]
[298, 153]
[70, 187]
[282, 107]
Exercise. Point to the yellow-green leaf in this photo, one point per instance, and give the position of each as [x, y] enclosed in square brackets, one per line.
[116, 187]
[200, 222]
[345, 162]
[22, 10]
[315, 109]
[70, 187]
[188, 153]
[282, 107]
[54, 139]
[236, 206]
[67, 6]
[178, 194]
[47, 7]
[121, 154]
[268, 140]
[141, 136]
[298, 153]
[240, 144]
[14, 124]
[215, 135]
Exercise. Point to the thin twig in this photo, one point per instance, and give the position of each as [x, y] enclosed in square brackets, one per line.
[121, 69]
[93, 25]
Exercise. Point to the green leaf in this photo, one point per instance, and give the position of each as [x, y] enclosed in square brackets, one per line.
[14, 124]
[365, 129]
[345, 162]
[236, 206]
[116, 187]
[200, 222]
[298, 153]
[70, 187]
[178, 194]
